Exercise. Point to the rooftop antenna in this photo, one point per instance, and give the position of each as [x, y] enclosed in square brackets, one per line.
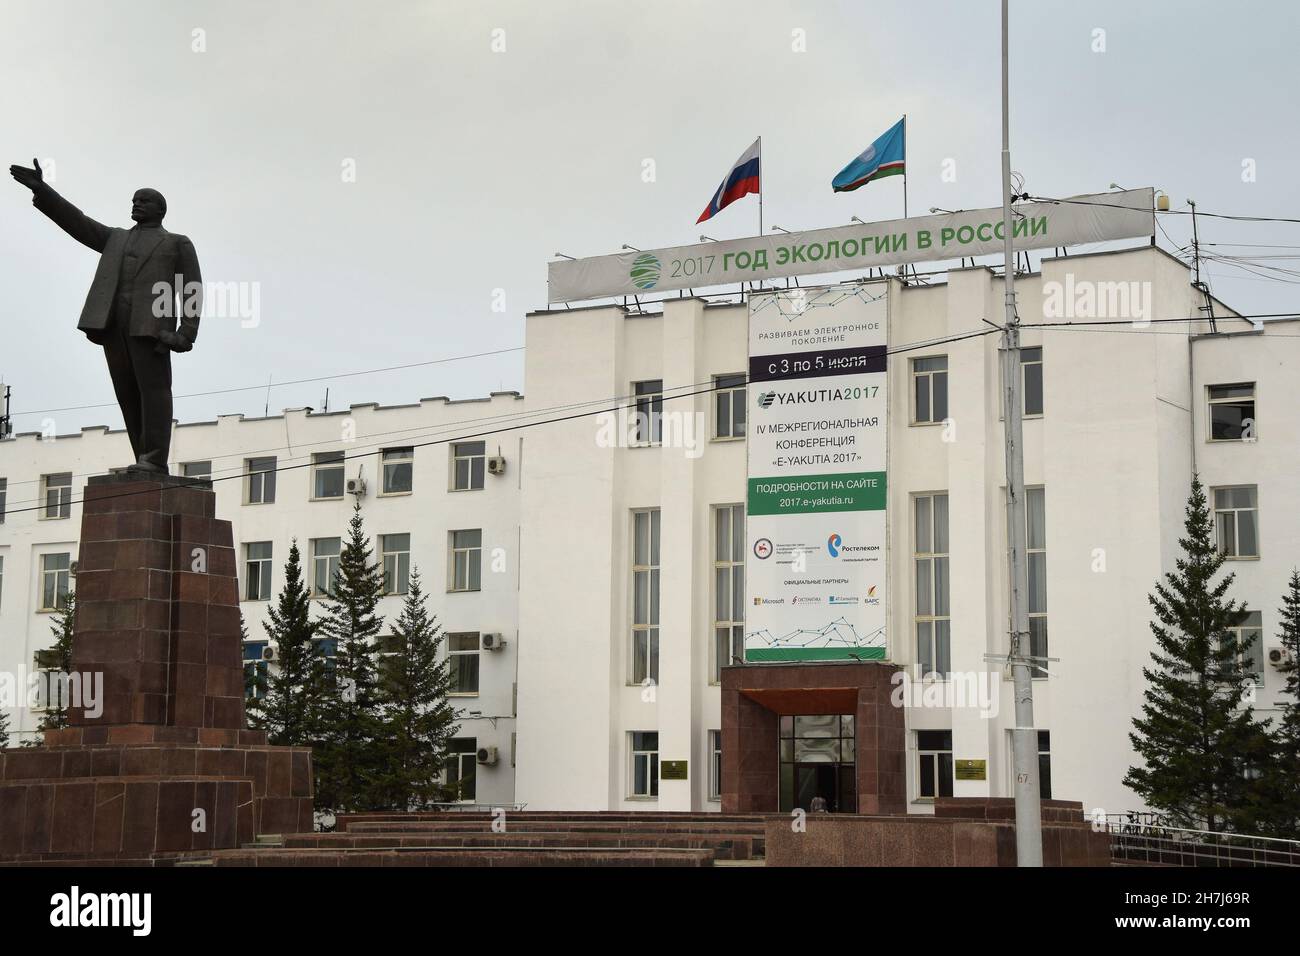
[327, 400]
[6, 422]
[266, 410]
[1198, 284]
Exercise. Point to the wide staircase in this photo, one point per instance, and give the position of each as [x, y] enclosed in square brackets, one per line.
[512, 838]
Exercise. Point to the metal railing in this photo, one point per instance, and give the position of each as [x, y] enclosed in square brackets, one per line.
[1139, 838]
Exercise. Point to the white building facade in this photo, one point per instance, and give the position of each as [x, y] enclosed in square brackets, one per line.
[604, 556]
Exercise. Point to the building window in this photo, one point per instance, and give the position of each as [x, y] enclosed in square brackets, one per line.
[645, 763]
[327, 474]
[466, 560]
[649, 409]
[1249, 631]
[728, 587]
[1232, 412]
[197, 469]
[934, 763]
[52, 690]
[645, 596]
[396, 551]
[324, 565]
[462, 757]
[462, 660]
[729, 406]
[55, 570]
[1036, 561]
[257, 571]
[261, 480]
[398, 464]
[468, 459]
[1031, 371]
[929, 389]
[1044, 765]
[715, 765]
[57, 494]
[1236, 519]
[4, 493]
[930, 561]
[256, 670]
[325, 649]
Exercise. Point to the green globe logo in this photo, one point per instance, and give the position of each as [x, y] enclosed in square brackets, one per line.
[645, 271]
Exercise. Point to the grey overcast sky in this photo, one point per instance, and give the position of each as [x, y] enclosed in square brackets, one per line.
[474, 166]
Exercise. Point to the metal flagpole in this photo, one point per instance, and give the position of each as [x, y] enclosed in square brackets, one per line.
[904, 165]
[1029, 837]
[760, 186]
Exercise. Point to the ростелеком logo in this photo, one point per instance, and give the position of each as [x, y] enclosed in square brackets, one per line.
[833, 545]
[645, 271]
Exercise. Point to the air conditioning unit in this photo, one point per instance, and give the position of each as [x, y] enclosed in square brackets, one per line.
[493, 642]
[357, 486]
[1280, 657]
[496, 465]
[269, 653]
[487, 755]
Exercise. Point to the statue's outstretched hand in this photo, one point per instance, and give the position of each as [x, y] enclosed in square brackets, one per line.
[31, 178]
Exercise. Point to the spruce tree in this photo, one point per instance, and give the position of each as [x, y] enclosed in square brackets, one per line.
[347, 759]
[1287, 735]
[4, 729]
[1196, 740]
[418, 719]
[287, 712]
[56, 718]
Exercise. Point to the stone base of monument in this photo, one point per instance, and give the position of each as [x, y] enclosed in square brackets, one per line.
[160, 762]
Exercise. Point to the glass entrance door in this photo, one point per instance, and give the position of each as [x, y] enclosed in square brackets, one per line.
[817, 761]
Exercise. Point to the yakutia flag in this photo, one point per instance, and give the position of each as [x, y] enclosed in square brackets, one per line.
[882, 158]
[741, 181]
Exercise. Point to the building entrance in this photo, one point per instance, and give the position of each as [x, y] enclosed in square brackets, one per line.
[818, 763]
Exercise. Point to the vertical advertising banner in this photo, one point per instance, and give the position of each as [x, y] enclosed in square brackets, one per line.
[815, 515]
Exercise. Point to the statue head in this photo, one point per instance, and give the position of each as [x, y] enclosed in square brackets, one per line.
[148, 206]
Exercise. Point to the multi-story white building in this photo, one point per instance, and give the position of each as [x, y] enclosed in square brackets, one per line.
[604, 556]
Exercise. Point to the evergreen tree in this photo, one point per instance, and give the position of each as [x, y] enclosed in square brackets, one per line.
[56, 718]
[347, 759]
[254, 683]
[4, 729]
[1197, 742]
[418, 719]
[287, 711]
[1287, 735]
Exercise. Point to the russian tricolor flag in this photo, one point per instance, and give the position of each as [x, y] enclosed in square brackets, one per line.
[741, 181]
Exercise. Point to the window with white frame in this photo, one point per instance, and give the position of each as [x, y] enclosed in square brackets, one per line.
[1247, 642]
[256, 670]
[645, 763]
[729, 406]
[52, 689]
[398, 471]
[55, 577]
[327, 474]
[715, 765]
[929, 389]
[728, 587]
[930, 564]
[196, 469]
[1232, 411]
[462, 662]
[325, 650]
[645, 596]
[468, 460]
[395, 549]
[462, 758]
[56, 491]
[1031, 380]
[1236, 520]
[257, 571]
[466, 564]
[648, 406]
[260, 481]
[324, 565]
[933, 764]
[1036, 564]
